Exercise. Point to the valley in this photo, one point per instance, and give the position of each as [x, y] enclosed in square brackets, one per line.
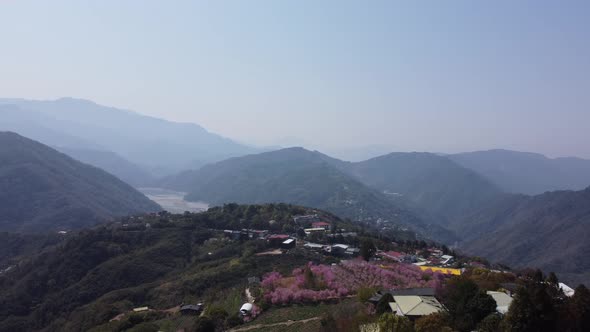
[173, 201]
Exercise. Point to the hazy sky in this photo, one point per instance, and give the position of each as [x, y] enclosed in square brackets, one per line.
[440, 76]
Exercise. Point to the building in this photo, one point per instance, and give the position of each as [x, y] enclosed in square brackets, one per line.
[320, 224]
[352, 251]
[276, 240]
[502, 299]
[446, 259]
[567, 290]
[443, 270]
[392, 256]
[314, 230]
[339, 249]
[313, 246]
[141, 309]
[414, 306]
[402, 292]
[191, 309]
[289, 244]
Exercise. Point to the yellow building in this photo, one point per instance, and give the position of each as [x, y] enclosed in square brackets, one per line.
[443, 270]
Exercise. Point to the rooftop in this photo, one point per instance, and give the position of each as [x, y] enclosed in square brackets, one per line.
[412, 305]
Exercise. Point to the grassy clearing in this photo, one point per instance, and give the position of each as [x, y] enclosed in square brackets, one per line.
[296, 312]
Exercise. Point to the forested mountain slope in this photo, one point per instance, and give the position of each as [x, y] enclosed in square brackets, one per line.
[42, 189]
[549, 231]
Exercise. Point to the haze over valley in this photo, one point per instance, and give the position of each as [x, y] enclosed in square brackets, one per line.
[378, 166]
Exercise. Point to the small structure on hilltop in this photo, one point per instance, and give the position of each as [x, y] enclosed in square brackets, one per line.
[141, 309]
[246, 309]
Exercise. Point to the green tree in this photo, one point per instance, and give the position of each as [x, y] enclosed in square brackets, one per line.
[577, 310]
[433, 323]
[552, 279]
[367, 249]
[383, 304]
[388, 322]
[490, 324]
[467, 304]
[532, 309]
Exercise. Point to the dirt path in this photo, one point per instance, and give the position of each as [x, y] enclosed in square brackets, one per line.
[287, 323]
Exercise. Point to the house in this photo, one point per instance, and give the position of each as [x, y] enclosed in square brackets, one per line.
[502, 299]
[393, 256]
[567, 290]
[402, 292]
[446, 259]
[352, 251]
[141, 309]
[320, 224]
[276, 240]
[314, 230]
[288, 244]
[234, 235]
[339, 249]
[313, 246]
[191, 309]
[415, 306]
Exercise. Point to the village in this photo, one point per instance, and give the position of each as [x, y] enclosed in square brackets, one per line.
[423, 265]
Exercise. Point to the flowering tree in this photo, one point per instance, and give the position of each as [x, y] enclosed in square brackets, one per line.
[314, 283]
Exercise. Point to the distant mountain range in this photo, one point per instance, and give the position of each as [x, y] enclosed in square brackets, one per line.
[420, 191]
[161, 146]
[527, 173]
[548, 231]
[42, 189]
[477, 198]
[432, 182]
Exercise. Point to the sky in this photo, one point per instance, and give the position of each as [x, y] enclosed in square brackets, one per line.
[439, 76]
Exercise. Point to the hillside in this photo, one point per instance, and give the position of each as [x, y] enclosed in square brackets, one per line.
[86, 278]
[159, 145]
[297, 176]
[433, 183]
[114, 164]
[527, 173]
[42, 189]
[549, 231]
